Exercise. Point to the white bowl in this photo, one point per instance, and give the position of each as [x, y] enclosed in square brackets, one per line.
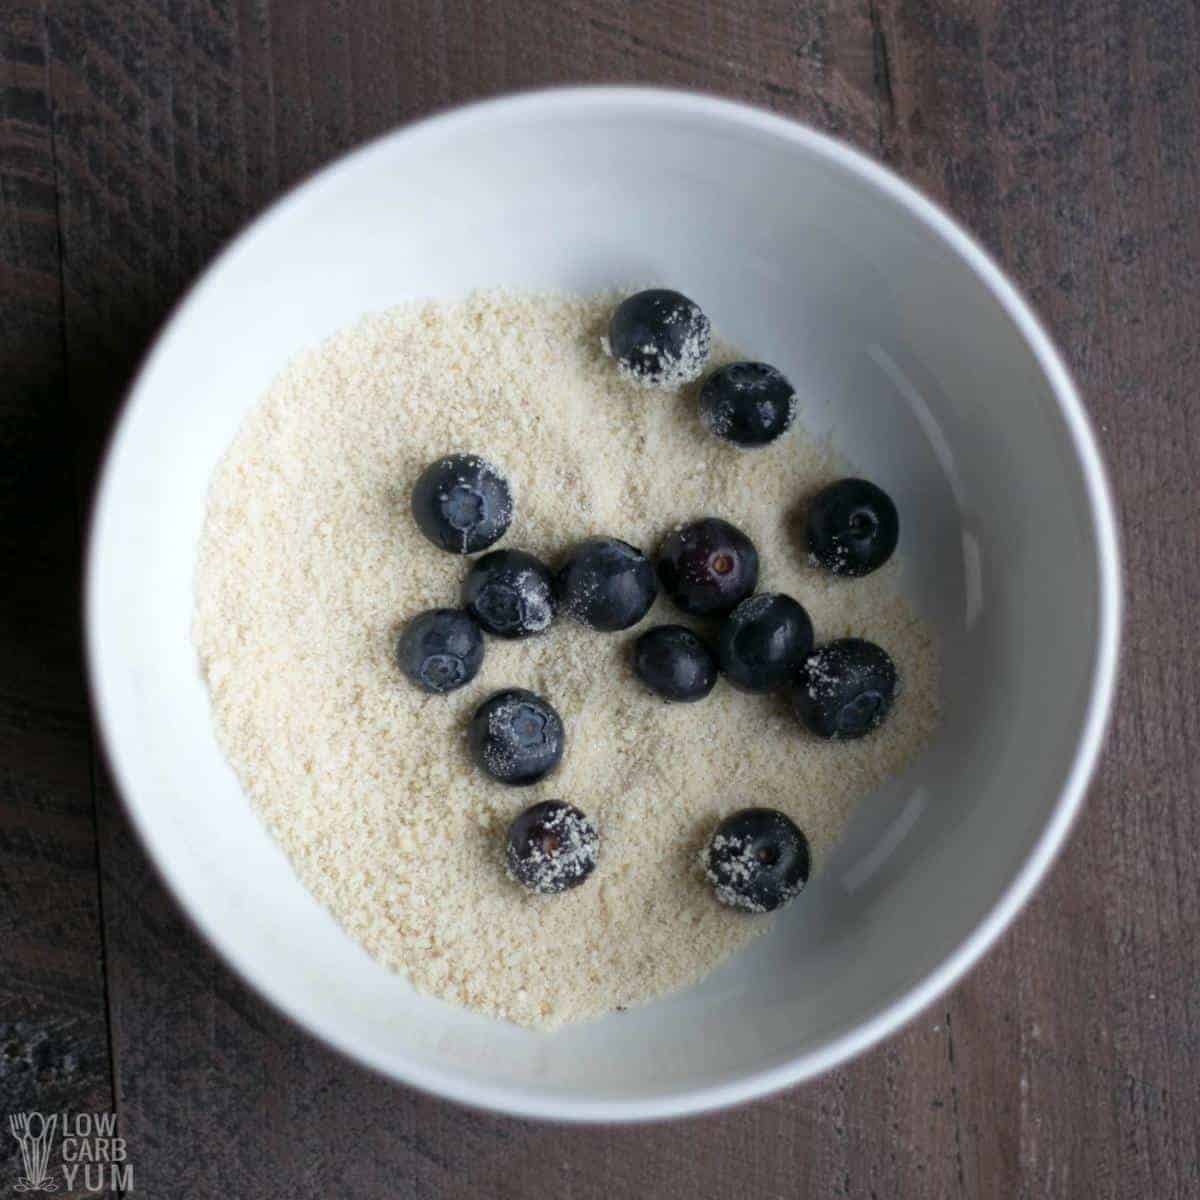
[910, 348]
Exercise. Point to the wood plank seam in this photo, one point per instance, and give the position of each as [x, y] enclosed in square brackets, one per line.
[80, 547]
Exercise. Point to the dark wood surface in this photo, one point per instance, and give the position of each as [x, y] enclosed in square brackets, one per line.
[135, 137]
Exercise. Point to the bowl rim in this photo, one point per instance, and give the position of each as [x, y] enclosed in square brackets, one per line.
[908, 1003]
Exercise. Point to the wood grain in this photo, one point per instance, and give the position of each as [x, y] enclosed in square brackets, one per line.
[137, 137]
[1065, 136]
[53, 1024]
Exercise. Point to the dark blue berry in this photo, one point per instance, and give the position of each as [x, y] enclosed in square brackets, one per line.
[462, 503]
[659, 337]
[853, 527]
[675, 663]
[845, 689]
[552, 846]
[763, 642]
[708, 567]
[747, 403]
[516, 737]
[757, 860]
[606, 584]
[440, 650]
[510, 593]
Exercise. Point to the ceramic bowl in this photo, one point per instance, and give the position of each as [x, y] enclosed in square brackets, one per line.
[915, 355]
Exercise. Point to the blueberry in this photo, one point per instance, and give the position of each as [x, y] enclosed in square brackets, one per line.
[516, 737]
[606, 584]
[747, 403]
[510, 593]
[659, 338]
[853, 527]
[675, 663]
[440, 650]
[845, 689]
[763, 642]
[708, 567]
[552, 846]
[757, 860]
[462, 503]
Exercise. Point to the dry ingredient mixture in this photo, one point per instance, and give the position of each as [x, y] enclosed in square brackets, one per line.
[310, 564]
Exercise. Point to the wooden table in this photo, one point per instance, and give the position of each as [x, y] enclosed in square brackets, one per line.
[135, 137]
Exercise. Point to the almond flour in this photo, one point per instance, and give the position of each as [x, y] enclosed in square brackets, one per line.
[310, 564]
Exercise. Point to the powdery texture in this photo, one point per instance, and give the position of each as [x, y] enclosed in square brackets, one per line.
[310, 564]
[571, 854]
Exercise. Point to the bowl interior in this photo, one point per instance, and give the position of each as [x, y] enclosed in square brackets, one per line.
[902, 352]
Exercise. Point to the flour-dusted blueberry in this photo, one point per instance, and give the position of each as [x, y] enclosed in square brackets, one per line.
[747, 403]
[551, 847]
[440, 650]
[708, 567]
[659, 338]
[757, 860]
[853, 527]
[762, 643]
[606, 584]
[845, 690]
[675, 663]
[510, 593]
[462, 503]
[516, 737]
